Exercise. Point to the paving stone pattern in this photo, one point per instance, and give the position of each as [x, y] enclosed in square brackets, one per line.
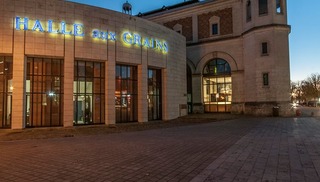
[247, 149]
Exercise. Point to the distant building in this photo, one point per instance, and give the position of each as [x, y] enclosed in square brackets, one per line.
[237, 54]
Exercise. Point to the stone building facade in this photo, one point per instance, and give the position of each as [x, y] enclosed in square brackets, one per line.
[237, 54]
[65, 64]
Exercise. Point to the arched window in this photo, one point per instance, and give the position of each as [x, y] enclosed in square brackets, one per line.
[217, 86]
[217, 67]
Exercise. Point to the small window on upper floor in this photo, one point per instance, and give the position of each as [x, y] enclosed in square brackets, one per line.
[178, 28]
[214, 23]
[265, 79]
[248, 9]
[214, 29]
[264, 49]
[279, 6]
[263, 7]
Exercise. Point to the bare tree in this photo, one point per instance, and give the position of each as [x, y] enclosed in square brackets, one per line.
[306, 90]
[313, 84]
[297, 92]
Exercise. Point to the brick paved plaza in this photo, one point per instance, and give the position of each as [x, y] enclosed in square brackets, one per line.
[246, 149]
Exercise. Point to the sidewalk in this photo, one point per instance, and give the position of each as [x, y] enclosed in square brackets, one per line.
[243, 149]
[58, 132]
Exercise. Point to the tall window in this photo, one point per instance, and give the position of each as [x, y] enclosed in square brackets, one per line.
[217, 86]
[214, 29]
[5, 91]
[248, 9]
[126, 94]
[88, 92]
[264, 48]
[263, 7]
[279, 5]
[44, 92]
[265, 78]
[154, 94]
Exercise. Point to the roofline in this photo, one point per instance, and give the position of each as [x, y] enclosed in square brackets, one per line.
[165, 8]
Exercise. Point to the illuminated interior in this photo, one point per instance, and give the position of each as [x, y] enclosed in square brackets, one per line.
[44, 92]
[126, 94]
[5, 91]
[154, 95]
[217, 86]
[88, 92]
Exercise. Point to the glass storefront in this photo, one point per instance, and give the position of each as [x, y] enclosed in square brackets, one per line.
[217, 86]
[126, 94]
[5, 91]
[44, 92]
[154, 95]
[88, 92]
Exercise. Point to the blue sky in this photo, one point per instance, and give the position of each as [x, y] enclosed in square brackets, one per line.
[303, 16]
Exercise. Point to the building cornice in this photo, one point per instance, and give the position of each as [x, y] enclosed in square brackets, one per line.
[189, 10]
[200, 42]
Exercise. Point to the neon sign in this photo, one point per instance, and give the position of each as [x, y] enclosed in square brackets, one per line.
[78, 30]
[136, 39]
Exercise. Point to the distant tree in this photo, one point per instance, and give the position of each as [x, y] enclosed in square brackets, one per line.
[311, 87]
[297, 94]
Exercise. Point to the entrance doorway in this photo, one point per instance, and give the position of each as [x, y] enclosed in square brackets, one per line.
[88, 92]
[217, 86]
[5, 91]
[154, 95]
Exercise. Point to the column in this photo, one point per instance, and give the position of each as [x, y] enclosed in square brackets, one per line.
[68, 82]
[110, 87]
[195, 27]
[19, 75]
[143, 92]
[197, 93]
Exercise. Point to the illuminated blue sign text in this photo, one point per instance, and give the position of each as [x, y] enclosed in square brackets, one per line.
[77, 30]
[23, 24]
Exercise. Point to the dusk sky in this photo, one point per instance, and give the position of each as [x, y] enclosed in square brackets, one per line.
[303, 16]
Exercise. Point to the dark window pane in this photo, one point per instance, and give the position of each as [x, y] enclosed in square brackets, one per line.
[248, 10]
[214, 29]
[81, 69]
[264, 47]
[263, 7]
[97, 69]
[265, 79]
[55, 67]
[89, 69]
